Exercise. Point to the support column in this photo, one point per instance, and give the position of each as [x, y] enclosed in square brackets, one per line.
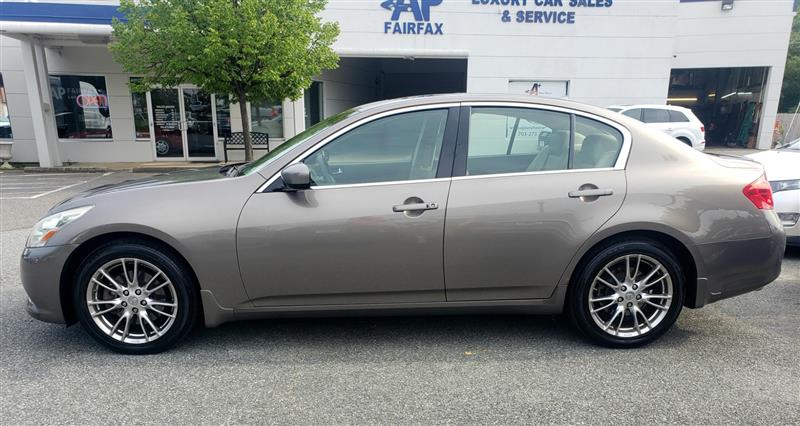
[38, 85]
[769, 107]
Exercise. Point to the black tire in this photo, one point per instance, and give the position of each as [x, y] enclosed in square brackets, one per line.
[686, 141]
[578, 305]
[185, 295]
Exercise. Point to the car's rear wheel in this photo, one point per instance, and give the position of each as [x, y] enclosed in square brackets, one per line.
[134, 298]
[628, 294]
[685, 140]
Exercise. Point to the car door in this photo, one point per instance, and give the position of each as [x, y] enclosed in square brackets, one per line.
[369, 230]
[511, 230]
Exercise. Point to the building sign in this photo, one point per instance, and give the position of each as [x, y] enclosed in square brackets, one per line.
[542, 11]
[411, 17]
[544, 88]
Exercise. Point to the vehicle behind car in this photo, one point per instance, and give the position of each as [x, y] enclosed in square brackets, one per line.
[782, 167]
[678, 122]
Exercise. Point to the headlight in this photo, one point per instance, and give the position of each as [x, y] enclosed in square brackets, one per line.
[784, 185]
[49, 226]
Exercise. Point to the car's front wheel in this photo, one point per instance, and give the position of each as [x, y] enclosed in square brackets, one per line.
[134, 298]
[628, 293]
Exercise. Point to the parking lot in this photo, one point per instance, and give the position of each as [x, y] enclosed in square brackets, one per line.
[735, 361]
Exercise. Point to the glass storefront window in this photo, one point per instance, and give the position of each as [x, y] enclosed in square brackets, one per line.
[80, 105]
[267, 117]
[223, 116]
[312, 98]
[5, 121]
[141, 117]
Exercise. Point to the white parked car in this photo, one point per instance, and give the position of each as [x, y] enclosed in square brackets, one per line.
[678, 122]
[782, 166]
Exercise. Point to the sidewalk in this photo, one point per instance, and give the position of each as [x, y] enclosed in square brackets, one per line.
[151, 167]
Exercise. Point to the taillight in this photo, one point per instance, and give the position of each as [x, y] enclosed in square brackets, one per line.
[760, 193]
[702, 129]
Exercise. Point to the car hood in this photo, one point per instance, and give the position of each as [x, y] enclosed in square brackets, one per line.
[779, 165]
[174, 178]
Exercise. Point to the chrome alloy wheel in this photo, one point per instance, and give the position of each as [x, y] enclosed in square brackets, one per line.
[131, 300]
[631, 295]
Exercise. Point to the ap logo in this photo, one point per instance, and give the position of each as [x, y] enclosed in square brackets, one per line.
[421, 9]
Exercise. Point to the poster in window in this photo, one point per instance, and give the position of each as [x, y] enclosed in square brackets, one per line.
[80, 105]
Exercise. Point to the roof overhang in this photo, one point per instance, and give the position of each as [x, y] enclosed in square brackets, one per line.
[88, 23]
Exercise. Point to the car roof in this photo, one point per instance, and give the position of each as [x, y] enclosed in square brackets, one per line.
[652, 106]
[391, 104]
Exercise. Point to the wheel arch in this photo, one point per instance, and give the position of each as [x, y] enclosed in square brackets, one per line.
[678, 247]
[67, 278]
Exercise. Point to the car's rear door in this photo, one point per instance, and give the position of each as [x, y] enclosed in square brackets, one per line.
[511, 230]
[369, 230]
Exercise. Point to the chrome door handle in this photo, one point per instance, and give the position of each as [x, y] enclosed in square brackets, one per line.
[414, 207]
[590, 193]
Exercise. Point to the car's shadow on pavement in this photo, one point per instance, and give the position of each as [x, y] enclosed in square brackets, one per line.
[413, 338]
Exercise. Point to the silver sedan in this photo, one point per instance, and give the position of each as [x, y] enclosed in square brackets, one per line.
[436, 204]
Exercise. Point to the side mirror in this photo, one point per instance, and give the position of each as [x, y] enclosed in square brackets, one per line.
[296, 176]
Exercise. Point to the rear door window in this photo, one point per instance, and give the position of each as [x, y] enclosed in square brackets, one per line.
[634, 113]
[512, 140]
[653, 115]
[677, 117]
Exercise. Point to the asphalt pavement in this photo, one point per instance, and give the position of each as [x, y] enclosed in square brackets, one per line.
[735, 361]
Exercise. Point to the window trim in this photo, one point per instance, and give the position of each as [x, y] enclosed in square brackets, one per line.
[463, 135]
[330, 138]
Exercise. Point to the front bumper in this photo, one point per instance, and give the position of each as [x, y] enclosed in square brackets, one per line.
[732, 268]
[40, 270]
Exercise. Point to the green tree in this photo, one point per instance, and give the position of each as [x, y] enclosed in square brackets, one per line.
[249, 50]
[790, 92]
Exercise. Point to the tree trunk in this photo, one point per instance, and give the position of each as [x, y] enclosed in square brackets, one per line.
[248, 138]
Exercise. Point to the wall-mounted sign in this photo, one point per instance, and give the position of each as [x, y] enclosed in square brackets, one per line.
[542, 11]
[403, 11]
[544, 88]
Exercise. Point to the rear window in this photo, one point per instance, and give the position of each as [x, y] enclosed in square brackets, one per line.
[677, 117]
[634, 113]
[652, 115]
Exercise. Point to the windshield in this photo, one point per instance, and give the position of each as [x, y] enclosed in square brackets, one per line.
[791, 146]
[274, 154]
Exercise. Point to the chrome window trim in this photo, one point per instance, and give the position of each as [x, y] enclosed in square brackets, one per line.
[539, 172]
[352, 126]
[387, 183]
[624, 153]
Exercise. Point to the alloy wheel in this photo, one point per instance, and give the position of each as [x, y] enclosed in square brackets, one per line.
[131, 300]
[630, 295]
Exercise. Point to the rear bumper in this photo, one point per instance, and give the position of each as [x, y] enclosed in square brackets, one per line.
[737, 267]
[40, 270]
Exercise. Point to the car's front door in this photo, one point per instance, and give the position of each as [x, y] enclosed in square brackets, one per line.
[369, 230]
[534, 185]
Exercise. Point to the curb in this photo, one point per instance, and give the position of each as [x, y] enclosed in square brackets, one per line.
[34, 169]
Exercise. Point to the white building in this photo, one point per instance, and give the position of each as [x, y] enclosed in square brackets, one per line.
[69, 101]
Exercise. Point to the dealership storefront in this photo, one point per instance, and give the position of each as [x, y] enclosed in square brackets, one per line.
[66, 100]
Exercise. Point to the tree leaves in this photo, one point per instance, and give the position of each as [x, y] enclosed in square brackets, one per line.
[249, 50]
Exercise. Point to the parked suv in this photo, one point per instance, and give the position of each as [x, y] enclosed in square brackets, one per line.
[678, 122]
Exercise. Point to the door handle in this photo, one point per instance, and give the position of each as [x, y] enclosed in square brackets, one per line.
[591, 193]
[414, 207]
